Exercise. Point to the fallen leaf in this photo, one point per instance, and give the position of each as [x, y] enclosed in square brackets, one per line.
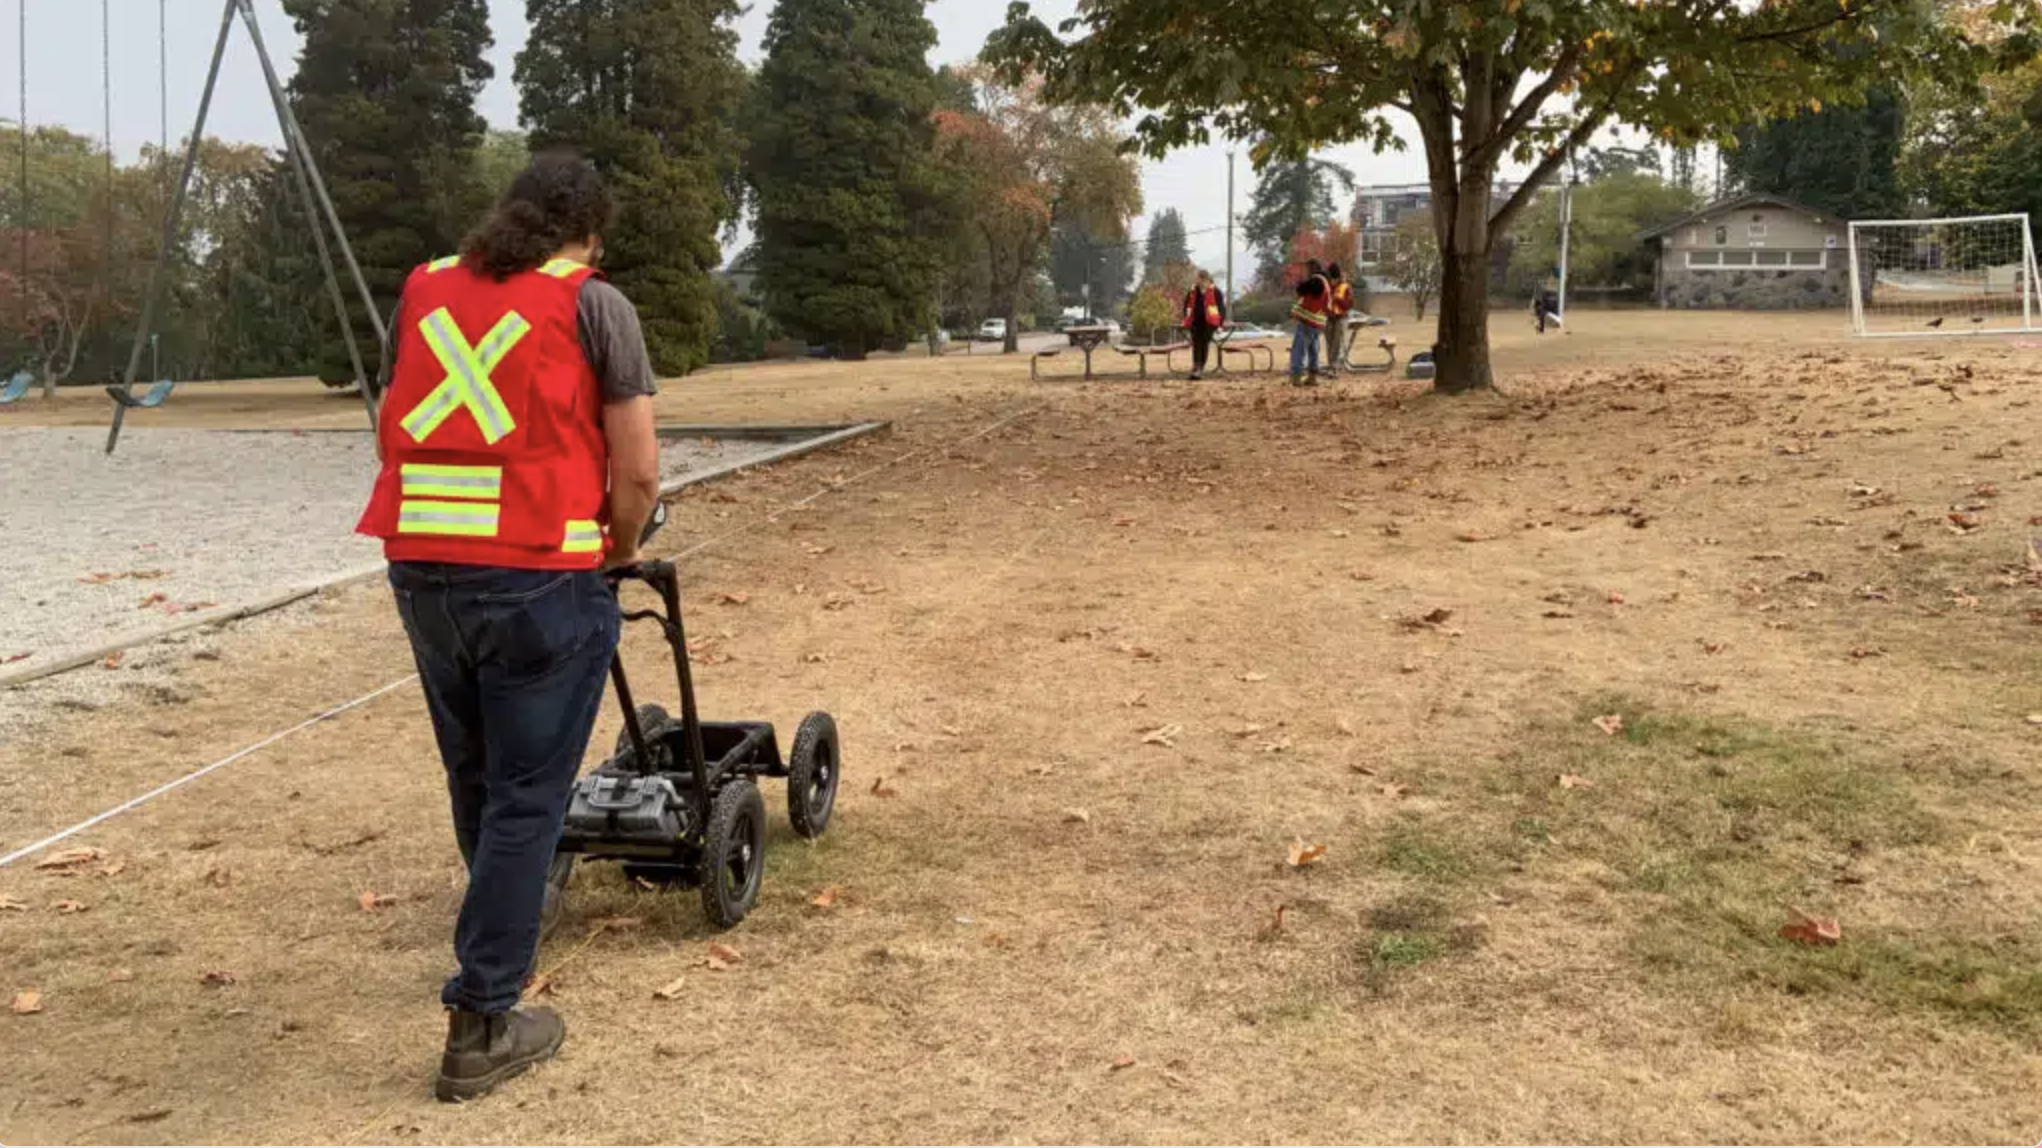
[2033, 719]
[543, 985]
[1162, 736]
[149, 1116]
[1964, 523]
[27, 1003]
[671, 991]
[816, 549]
[724, 952]
[713, 964]
[13, 658]
[1253, 676]
[69, 907]
[1986, 490]
[1364, 770]
[1123, 522]
[1302, 854]
[1275, 925]
[1438, 617]
[120, 976]
[618, 924]
[1709, 647]
[1866, 652]
[10, 905]
[881, 789]
[1137, 700]
[1077, 816]
[815, 659]
[112, 661]
[1611, 724]
[1344, 726]
[827, 899]
[733, 597]
[1558, 614]
[153, 598]
[1808, 930]
[1393, 789]
[113, 868]
[1471, 536]
[71, 858]
[1123, 1062]
[218, 978]
[219, 877]
[370, 902]
[1573, 781]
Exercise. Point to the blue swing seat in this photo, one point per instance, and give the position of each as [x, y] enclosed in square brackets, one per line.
[16, 387]
[149, 399]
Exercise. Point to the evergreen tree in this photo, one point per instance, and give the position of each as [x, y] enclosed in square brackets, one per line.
[385, 91]
[1840, 160]
[1079, 259]
[650, 91]
[1167, 244]
[850, 218]
[1292, 196]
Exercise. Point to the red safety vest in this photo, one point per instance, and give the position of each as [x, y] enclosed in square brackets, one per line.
[1310, 310]
[492, 429]
[1209, 297]
[1343, 299]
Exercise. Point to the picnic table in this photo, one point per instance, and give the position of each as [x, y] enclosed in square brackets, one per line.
[1085, 339]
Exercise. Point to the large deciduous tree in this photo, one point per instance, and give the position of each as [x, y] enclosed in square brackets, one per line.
[385, 91]
[1603, 247]
[1487, 81]
[650, 91]
[1024, 165]
[851, 219]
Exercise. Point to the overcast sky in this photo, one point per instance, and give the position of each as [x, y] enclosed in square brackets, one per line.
[64, 87]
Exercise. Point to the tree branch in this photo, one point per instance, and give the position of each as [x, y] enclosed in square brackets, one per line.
[1844, 15]
[1500, 222]
[1521, 115]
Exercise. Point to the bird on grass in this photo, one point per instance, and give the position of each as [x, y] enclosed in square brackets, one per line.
[1935, 322]
[1977, 319]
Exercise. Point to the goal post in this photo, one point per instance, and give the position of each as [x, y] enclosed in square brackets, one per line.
[1974, 275]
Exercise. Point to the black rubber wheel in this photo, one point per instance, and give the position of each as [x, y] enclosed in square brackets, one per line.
[812, 774]
[733, 853]
[652, 718]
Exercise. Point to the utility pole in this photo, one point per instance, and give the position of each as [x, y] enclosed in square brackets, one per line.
[163, 80]
[1230, 229]
[1566, 236]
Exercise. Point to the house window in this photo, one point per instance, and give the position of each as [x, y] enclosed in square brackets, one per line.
[1707, 260]
[1722, 236]
[1771, 258]
[1738, 258]
[1819, 259]
[1755, 231]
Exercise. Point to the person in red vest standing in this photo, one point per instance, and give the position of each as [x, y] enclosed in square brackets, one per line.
[518, 460]
[1205, 312]
[1309, 312]
[1339, 305]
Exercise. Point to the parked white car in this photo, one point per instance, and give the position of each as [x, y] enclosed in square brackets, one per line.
[993, 331]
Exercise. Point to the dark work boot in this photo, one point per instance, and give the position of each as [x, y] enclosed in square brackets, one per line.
[484, 1050]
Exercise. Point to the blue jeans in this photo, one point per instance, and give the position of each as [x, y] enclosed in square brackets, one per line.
[513, 663]
[1304, 348]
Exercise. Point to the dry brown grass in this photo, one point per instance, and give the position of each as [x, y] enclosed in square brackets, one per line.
[1481, 954]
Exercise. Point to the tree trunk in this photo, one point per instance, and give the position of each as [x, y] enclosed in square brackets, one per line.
[1462, 353]
[1013, 342]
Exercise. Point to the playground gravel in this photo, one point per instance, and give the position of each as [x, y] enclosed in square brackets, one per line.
[179, 526]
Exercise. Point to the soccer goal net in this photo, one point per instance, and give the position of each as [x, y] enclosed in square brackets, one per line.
[1944, 276]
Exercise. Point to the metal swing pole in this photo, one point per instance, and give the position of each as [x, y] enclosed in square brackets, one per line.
[307, 171]
[170, 222]
[293, 132]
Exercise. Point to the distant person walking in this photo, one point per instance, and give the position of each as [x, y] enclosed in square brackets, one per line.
[1205, 312]
[1546, 308]
[1310, 313]
[1338, 307]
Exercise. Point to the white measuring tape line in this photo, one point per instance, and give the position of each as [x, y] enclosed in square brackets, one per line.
[365, 699]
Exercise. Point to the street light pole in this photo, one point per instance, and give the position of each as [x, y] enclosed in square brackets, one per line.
[1230, 228]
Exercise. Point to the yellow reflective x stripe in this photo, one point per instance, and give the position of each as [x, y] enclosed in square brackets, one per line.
[428, 481]
[561, 268]
[464, 519]
[467, 383]
[445, 264]
[583, 537]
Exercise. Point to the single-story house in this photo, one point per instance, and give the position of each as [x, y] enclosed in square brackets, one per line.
[1757, 252]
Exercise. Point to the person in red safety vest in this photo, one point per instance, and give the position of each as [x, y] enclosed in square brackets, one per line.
[518, 460]
[1205, 313]
[1310, 314]
[1339, 305]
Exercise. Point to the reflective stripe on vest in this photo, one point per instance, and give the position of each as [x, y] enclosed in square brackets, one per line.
[1307, 316]
[583, 537]
[467, 383]
[423, 480]
[447, 263]
[460, 519]
[561, 268]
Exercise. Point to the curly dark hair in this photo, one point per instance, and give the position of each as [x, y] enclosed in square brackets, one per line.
[558, 199]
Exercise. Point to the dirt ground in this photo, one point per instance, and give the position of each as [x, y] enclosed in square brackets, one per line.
[1102, 673]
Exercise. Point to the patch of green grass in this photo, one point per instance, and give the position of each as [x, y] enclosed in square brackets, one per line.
[1423, 852]
[1402, 950]
[1410, 930]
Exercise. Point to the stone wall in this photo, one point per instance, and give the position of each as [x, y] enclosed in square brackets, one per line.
[1754, 288]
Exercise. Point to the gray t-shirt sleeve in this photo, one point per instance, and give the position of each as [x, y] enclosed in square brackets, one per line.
[614, 342]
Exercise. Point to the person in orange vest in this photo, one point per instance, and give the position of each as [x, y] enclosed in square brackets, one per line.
[1339, 305]
[518, 460]
[1205, 312]
[1309, 312]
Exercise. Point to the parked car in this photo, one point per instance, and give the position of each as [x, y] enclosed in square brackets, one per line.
[1246, 331]
[993, 331]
